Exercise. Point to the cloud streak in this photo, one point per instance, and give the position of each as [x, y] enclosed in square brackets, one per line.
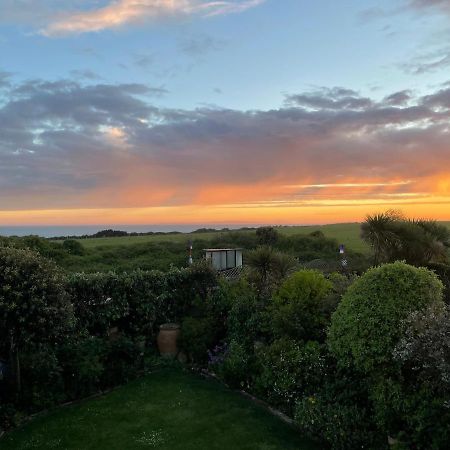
[119, 13]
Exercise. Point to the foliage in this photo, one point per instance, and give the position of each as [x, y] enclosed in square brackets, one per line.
[267, 236]
[198, 335]
[245, 321]
[424, 349]
[443, 272]
[308, 247]
[122, 361]
[238, 367]
[34, 306]
[288, 371]
[81, 358]
[139, 301]
[394, 237]
[424, 392]
[339, 414]
[378, 233]
[297, 308]
[267, 269]
[368, 322]
[73, 247]
[42, 383]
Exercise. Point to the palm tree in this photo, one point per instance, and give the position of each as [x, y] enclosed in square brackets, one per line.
[417, 241]
[378, 232]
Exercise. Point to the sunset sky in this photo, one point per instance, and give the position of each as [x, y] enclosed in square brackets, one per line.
[223, 112]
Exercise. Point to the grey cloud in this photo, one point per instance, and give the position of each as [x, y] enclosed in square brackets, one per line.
[144, 61]
[335, 99]
[373, 13]
[400, 98]
[199, 45]
[75, 140]
[437, 5]
[431, 62]
[5, 79]
[440, 99]
[85, 74]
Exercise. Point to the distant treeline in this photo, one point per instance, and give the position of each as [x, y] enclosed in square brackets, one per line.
[119, 233]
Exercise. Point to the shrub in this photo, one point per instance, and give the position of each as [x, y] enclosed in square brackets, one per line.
[297, 309]
[289, 370]
[198, 335]
[73, 247]
[443, 272]
[42, 380]
[34, 306]
[245, 321]
[424, 353]
[238, 368]
[122, 361]
[340, 415]
[267, 236]
[139, 301]
[368, 322]
[81, 358]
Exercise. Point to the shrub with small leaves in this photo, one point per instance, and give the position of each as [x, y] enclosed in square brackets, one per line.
[368, 322]
[289, 370]
[298, 308]
[34, 305]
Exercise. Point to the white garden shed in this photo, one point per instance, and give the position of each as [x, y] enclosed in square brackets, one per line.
[224, 258]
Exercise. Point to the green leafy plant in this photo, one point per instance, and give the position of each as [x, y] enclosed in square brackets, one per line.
[368, 322]
[288, 371]
[34, 306]
[297, 308]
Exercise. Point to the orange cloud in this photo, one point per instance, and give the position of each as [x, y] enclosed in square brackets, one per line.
[123, 12]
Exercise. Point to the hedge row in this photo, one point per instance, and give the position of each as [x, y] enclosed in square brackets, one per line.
[137, 302]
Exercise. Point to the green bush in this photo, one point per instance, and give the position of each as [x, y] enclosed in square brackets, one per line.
[122, 361]
[424, 355]
[197, 336]
[289, 370]
[340, 415]
[82, 361]
[238, 368]
[34, 306]
[245, 319]
[368, 322]
[73, 247]
[42, 380]
[443, 272]
[137, 302]
[297, 309]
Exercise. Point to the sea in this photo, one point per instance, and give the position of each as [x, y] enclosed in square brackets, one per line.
[56, 231]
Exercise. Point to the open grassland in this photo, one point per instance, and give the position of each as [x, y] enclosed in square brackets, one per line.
[345, 233]
[165, 410]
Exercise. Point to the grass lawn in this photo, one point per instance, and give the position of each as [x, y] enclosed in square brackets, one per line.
[165, 410]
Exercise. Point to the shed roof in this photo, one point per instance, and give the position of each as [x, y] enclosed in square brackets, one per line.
[220, 249]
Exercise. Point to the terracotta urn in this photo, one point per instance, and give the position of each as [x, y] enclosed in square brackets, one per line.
[167, 339]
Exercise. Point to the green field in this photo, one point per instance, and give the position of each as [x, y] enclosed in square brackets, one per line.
[345, 233]
[165, 410]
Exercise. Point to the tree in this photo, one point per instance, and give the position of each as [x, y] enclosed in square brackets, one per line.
[268, 268]
[73, 247]
[378, 232]
[34, 306]
[393, 237]
[267, 236]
